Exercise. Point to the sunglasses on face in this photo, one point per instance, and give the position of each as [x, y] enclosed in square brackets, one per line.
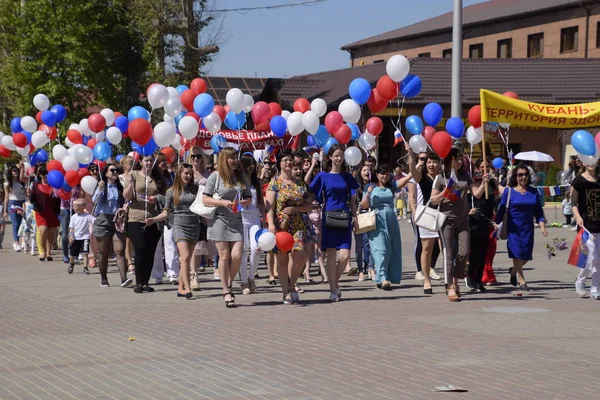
[113, 170]
[422, 158]
[196, 156]
[210, 169]
[522, 175]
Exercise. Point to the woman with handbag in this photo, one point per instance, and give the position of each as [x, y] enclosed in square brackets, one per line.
[227, 189]
[47, 209]
[108, 198]
[519, 205]
[450, 192]
[14, 198]
[336, 190]
[362, 250]
[385, 240]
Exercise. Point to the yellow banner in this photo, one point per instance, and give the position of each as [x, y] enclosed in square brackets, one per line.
[499, 108]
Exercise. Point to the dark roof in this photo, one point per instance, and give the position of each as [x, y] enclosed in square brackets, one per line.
[481, 13]
[218, 86]
[542, 80]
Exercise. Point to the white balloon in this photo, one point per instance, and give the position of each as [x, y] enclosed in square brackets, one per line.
[59, 152]
[69, 143]
[418, 144]
[286, 114]
[173, 92]
[70, 163]
[350, 111]
[319, 107]
[24, 151]
[114, 135]
[85, 129]
[83, 154]
[108, 115]
[397, 67]
[294, 123]
[366, 141]
[2, 134]
[473, 135]
[29, 124]
[100, 136]
[41, 102]
[235, 100]
[248, 103]
[310, 121]
[75, 127]
[173, 106]
[88, 184]
[7, 141]
[177, 143]
[212, 122]
[168, 118]
[352, 156]
[588, 160]
[164, 134]
[266, 241]
[504, 125]
[158, 96]
[39, 139]
[188, 127]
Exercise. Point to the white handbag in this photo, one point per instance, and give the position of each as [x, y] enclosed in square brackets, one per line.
[198, 206]
[429, 218]
[366, 222]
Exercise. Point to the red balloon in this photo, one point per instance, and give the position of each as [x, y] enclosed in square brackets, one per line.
[220, 110]
[100, 164]
[428, 134]
[597, 139]
[262, 127]
[53, 165]
[169, 153]
[275, 109]
[140, 131]
[187, 99]
[284, 241]
[376, 103]
[375, 126]
[91, 143]
[4, 152]
[72, 178]
[475, 116]
[49, 131]
[302, 105]
[83, 172]
[442, 143]
[64, 195]
[512, 95]
[19, 139]
[334, 121]
[38, 117]
[387, 88]
[117, 115]
[193, 115]
[260, 112]
[198, 86]
[344, 134]
[74, 136]
[96, 123]
[227, 109]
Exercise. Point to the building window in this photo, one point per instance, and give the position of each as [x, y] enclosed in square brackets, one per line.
[569, 38]
[505, 48]
[476, 50]
[378, 61]
[447, 53]
[535, 45]
[424, 55]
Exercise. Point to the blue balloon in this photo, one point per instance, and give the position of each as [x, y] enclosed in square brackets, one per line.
[181, 88]
[310, 141]
[204, 104]
[66, 187]
[432, 114]
[360, 90]
[86, 139]
[321, 136]
[411, 86]
[137, 112]
[498, 163]
[15, 125]
[414, 125]
[260, 232]
[84, 165]
[278, 125]
[102, 151]
[355, 131]
[178, 118]
[59, 112]
[27, 135]
[216, 142]
[584, 143]
[330, 142]
[49, 118]
[235, 121]
[41, 156]
[56, 179]
[145, 150]
[119, 157]
[455, 127]
[122, 123]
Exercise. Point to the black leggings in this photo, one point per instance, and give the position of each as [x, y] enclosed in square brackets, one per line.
[419, 249]
[479, 246]
[144, 239]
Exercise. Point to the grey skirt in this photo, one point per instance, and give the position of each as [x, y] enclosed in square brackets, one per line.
[104, 225]
[226, 228]
[186, 232]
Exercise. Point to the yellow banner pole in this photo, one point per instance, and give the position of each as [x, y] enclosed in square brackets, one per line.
[484, 157]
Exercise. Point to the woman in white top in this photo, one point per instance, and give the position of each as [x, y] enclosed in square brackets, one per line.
[14, 198]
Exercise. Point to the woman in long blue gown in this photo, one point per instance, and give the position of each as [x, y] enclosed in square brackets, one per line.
[384, 241]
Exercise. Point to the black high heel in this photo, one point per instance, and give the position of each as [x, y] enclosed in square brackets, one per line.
[428, 291]
[229, 303]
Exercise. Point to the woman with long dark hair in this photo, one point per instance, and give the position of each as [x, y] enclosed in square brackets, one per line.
[364, 259]
[14, 198]
[108, 198]
[141, 189]
[47, 208]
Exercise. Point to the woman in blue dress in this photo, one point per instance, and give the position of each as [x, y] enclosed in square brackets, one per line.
[336, 190]
[384, 241]
[523, 206]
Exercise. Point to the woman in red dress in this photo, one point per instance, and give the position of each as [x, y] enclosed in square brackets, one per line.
[47, 208]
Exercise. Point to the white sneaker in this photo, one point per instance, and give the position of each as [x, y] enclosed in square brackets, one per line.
[419, 276]
[574, 228]
[216, 276]
[173, 280]
[595, 295]
[433, 275]
[580, 288]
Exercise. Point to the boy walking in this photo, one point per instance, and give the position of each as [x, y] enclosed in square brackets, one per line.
[79, 235]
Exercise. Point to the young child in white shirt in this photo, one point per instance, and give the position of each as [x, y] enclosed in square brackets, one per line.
[79, 235]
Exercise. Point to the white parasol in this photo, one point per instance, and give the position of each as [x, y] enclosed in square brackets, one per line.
[534, 156]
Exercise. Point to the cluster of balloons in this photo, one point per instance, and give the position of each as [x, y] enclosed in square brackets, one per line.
[426, 135]
[587, 146]
[267, 240]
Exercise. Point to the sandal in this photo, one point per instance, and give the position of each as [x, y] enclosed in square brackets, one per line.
[229, 303]
[272, 282]
[131, 268]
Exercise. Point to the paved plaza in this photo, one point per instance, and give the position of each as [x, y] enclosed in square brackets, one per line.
[64, 337]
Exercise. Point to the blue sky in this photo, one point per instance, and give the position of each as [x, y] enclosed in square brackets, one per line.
[300, 40]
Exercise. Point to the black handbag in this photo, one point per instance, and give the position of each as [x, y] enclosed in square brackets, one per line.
[337, 219]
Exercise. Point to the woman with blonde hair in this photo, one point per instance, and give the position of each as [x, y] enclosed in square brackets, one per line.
[127, 166]
[227, 189]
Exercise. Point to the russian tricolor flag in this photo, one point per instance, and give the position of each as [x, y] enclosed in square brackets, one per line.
[398, 138]
[236, 207]
[583, 243]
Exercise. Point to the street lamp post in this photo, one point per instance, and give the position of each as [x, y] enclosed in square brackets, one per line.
[457, 55]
